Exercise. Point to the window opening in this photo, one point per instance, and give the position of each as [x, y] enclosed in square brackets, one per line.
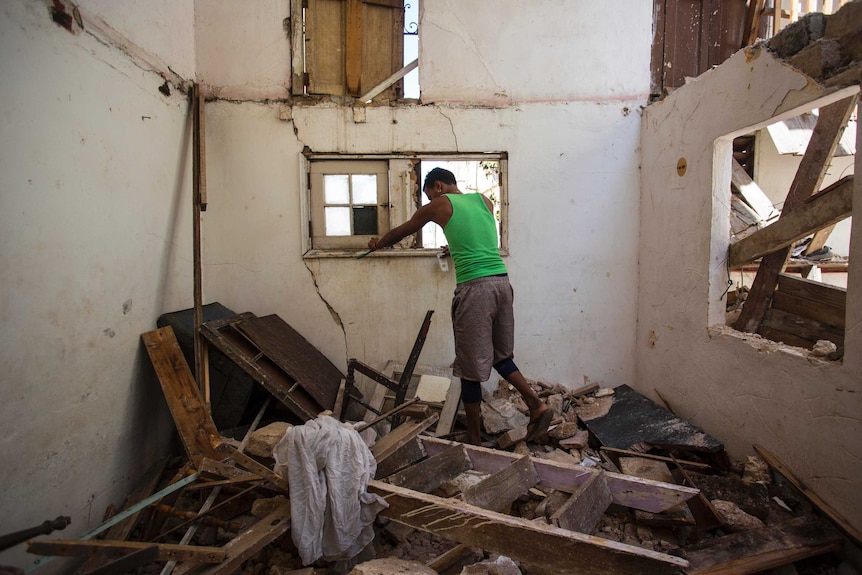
[473, 176]
[801, 301]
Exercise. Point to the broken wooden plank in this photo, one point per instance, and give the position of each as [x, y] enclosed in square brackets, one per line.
[616, 453]
[809, 175]
[633, 492]
[114, 549]
[399, 436]
[218, 469]
[657, 471]
[518, 538]
[848, 529]
[764, 548]
[197, 430]
[450, 408]
[809, 308]
[497, 491]
[450, 558]
[428, 475]
[404, 456]
[252, 540]
[820, 292]
[582, 511]
[824, 209]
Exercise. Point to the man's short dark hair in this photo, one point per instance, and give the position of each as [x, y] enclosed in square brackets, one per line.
[439, 175]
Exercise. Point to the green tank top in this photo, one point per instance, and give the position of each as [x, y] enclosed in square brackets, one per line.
[472, 236]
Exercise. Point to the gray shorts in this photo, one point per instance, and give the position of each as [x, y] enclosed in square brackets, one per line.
[484, 326]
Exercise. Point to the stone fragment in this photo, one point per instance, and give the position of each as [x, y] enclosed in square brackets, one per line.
[736, 518]
[756, 470]
[564, 430]
[391, 566]
[499, 566]
[262, 441]
[500, 415]
[604, 392]
[561, 456]
[458, 484]
[578, 441]
[823, 347]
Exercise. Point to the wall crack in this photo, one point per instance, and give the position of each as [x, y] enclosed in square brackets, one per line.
[335, 316]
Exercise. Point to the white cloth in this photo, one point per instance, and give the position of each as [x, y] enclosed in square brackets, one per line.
[328, 468]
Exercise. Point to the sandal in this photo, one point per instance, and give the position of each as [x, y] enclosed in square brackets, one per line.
[539, 425]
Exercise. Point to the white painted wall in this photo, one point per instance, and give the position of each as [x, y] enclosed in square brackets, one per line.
[743, 390]
[570, 123]
[95, 243]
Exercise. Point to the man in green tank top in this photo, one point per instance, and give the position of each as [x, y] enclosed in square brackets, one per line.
[482, 316]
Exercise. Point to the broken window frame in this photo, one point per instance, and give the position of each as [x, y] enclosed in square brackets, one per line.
[346, 47]
[403, 196]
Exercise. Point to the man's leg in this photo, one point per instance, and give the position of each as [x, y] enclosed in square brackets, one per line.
[471, 395]
[538, 420]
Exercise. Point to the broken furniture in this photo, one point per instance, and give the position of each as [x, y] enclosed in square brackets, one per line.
[352, 394]
[280, 359]
[478, 518]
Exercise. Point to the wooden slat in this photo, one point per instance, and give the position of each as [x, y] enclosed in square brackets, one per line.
[428, 475]
[382, 45]
[497, 491]
[809, 175]
[761, 549]
[325, 25]
[399, 436]
[114, 549]
[809, 309]
[817, 291]
[633, 492]
[828, 207]
[784, 337]
[197, 430]
[582, 511]
[522, 540]
[450, 408]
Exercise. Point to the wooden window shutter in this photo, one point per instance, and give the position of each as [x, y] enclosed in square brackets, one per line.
[352, 45]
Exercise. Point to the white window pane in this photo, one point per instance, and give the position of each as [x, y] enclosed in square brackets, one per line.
[336, 190]
[364, 189]
[337, 221]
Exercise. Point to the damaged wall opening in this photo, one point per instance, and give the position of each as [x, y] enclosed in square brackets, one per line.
[350, 199]
[790, 230]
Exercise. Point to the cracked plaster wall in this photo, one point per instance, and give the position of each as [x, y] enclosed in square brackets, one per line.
[742, 390]
[567, 113]
[95, 243]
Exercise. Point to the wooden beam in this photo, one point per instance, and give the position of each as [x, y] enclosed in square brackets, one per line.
[825, 209]
[634, 492]
[798, 326]
[353, 46]
[428, 475]
[582, 511]
[194, 424]
[801, 287]
[848, 529]
[115, 549]
[764, 548]
[520, 539]
[199, 204]
[399, 436]
[497, 491]
[367, 97]
[812, 168]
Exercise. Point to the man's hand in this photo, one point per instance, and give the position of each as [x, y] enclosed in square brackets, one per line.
[372, 243]
[444, 251]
